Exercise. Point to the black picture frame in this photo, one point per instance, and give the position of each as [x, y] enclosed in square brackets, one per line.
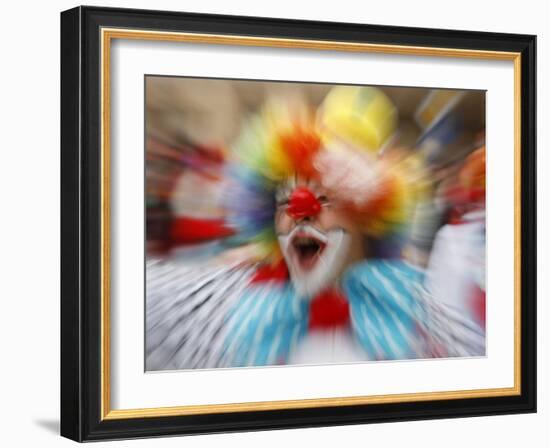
[81, 209]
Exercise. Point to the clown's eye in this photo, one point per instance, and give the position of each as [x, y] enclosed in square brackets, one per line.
[281, 198]
[322, 199]
[283, 202]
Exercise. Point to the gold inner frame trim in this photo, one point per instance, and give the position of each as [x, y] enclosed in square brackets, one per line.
[107, 35]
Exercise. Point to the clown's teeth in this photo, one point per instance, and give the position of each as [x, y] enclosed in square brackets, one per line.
[305, 240]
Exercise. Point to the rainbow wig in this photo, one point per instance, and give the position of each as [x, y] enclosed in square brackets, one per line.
[338, 146]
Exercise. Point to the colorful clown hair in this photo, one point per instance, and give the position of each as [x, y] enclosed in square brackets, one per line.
[279, 142]
[286, 140]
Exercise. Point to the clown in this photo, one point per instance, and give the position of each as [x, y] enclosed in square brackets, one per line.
[305, 193]
[310, 190]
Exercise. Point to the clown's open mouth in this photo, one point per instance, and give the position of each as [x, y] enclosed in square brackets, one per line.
[314, 258]
[307, 250]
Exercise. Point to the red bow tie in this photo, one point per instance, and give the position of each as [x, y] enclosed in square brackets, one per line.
[329, 309]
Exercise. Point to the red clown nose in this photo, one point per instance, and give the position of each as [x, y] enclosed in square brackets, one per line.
[302, 203]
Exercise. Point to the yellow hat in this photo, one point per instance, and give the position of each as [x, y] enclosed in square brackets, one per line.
[361, 116]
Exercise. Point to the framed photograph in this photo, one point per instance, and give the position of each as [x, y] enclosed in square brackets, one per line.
[276, 224]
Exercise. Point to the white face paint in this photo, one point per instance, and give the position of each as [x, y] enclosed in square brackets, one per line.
[314, 258]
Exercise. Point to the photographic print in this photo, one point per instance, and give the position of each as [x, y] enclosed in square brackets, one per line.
[297, 223]
[272, 223]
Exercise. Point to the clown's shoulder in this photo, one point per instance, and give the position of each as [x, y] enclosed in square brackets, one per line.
[265, 325]
[396, 316]
[396, 284]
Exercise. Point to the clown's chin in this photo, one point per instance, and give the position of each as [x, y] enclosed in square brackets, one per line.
[314, 258]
